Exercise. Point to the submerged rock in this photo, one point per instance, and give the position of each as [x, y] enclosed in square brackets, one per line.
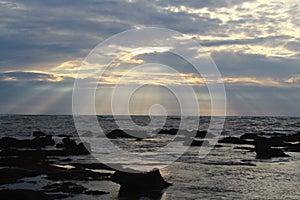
[132, 183]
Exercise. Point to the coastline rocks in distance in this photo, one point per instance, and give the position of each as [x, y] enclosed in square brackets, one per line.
[264, 150]
[37, 142]
[118, 133]
[132, 183]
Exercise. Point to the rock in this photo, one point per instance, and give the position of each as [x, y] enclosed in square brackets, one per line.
[38, 134]
[172, 131]
[250, 136]
[92, 192]
[245, 148]
[293, 147]
[231, 140]
[118, 133]
[197, 143]
[201, 134]
[218, 146]
[13, 174]
[38, 142]
[139, 182]
[65, 187]
[20, 194]
[70, 147]
[292, 138]
[263, 149]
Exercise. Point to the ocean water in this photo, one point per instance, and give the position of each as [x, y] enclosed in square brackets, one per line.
[224, 173]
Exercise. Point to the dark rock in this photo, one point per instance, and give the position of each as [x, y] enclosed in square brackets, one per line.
[38, 142]
[231, 140]
[21, 194]
[75, 174]
[63, 135]
[292, 138]
[263, 149]
[65, 187]
[245, 148]
[13, 174]
[218, 146]
[118, 133]
[91, 166]
[292, 147]
[168, 131]
[201, 134]
[92, 192]
[251, 136]
[139, 182]
[70, 147]
[38, 134]
[197, 143]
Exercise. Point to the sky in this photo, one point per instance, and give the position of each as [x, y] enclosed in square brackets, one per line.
[255, 44]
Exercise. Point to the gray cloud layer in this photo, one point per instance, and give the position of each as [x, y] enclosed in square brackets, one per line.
[245, 38]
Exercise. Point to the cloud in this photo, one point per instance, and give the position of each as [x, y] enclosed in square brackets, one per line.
[29, 76]
[255, 45]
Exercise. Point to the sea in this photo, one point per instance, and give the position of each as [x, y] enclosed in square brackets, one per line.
[225, 172]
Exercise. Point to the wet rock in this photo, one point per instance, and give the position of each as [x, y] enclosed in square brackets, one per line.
[72, 148]
[245, 148]
[292, 138]
[172, 131]
[201, 134]
[139, 182]
[75, 174]
[218, 146]
[65, 187]
[21, 194]
[250, 136]
[263, 149]
[118, 133]
[231, 140]
[93, 192]
[293, 147]
[13, 174]
[37, 142]
[196, 143]
[38, 134]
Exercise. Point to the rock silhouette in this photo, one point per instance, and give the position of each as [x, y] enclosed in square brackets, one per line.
[263, 149]
[133, 183]
[118, 133]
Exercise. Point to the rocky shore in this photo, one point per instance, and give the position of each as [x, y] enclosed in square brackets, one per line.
[42, 156]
